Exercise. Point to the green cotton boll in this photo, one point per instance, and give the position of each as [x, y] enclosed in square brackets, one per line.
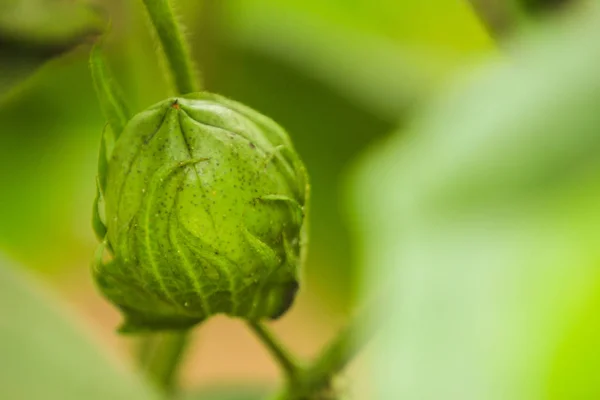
[205, 206]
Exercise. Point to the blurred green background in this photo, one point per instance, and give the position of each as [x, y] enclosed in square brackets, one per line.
[355, 68]
[452, 154]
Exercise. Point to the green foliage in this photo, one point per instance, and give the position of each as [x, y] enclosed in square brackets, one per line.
[538, 6]
[36, 153]
[115, 109]
[483, 223]
[47, 168]
[117, 114]
[45, 356]
[481, 217]
[379, 55]
[33, 31]
[205, 206]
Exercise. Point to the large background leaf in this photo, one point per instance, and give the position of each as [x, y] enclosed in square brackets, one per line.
[380, 55]
[45, 356]
[33, 31]
[484, 221]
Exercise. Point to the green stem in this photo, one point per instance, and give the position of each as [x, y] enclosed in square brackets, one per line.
[173, 44]
[317, 377]
[338, 354]
[144, 348]
[162, 355]
[279, 352]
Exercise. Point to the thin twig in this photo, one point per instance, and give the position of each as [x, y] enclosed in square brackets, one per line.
[164, 357]
[279, 352]
[317, 377]
[174, 46]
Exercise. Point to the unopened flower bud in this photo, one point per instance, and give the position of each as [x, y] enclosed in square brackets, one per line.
[205, 207]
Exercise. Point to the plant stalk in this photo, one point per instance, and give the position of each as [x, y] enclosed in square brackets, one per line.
[338, 354]
[174, 46]
[317, 377]
[161, 356]
[285, 360]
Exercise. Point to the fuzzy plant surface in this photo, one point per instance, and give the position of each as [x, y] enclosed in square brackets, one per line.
[204, 208]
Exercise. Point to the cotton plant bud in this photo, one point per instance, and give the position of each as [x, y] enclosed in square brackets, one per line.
[204, 207]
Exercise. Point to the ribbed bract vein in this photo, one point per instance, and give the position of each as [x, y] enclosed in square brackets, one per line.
[187, 265]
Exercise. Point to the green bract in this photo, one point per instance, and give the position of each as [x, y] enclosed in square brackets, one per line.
[204, 206]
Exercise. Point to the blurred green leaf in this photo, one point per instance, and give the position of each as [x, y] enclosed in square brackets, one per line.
[504, 18]
[48, 166]
[32, 31]
[109, 93]
[381, 55]
[484, 221]
[233, 392]
[500, 17]
[541, 6]
[44, 356]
